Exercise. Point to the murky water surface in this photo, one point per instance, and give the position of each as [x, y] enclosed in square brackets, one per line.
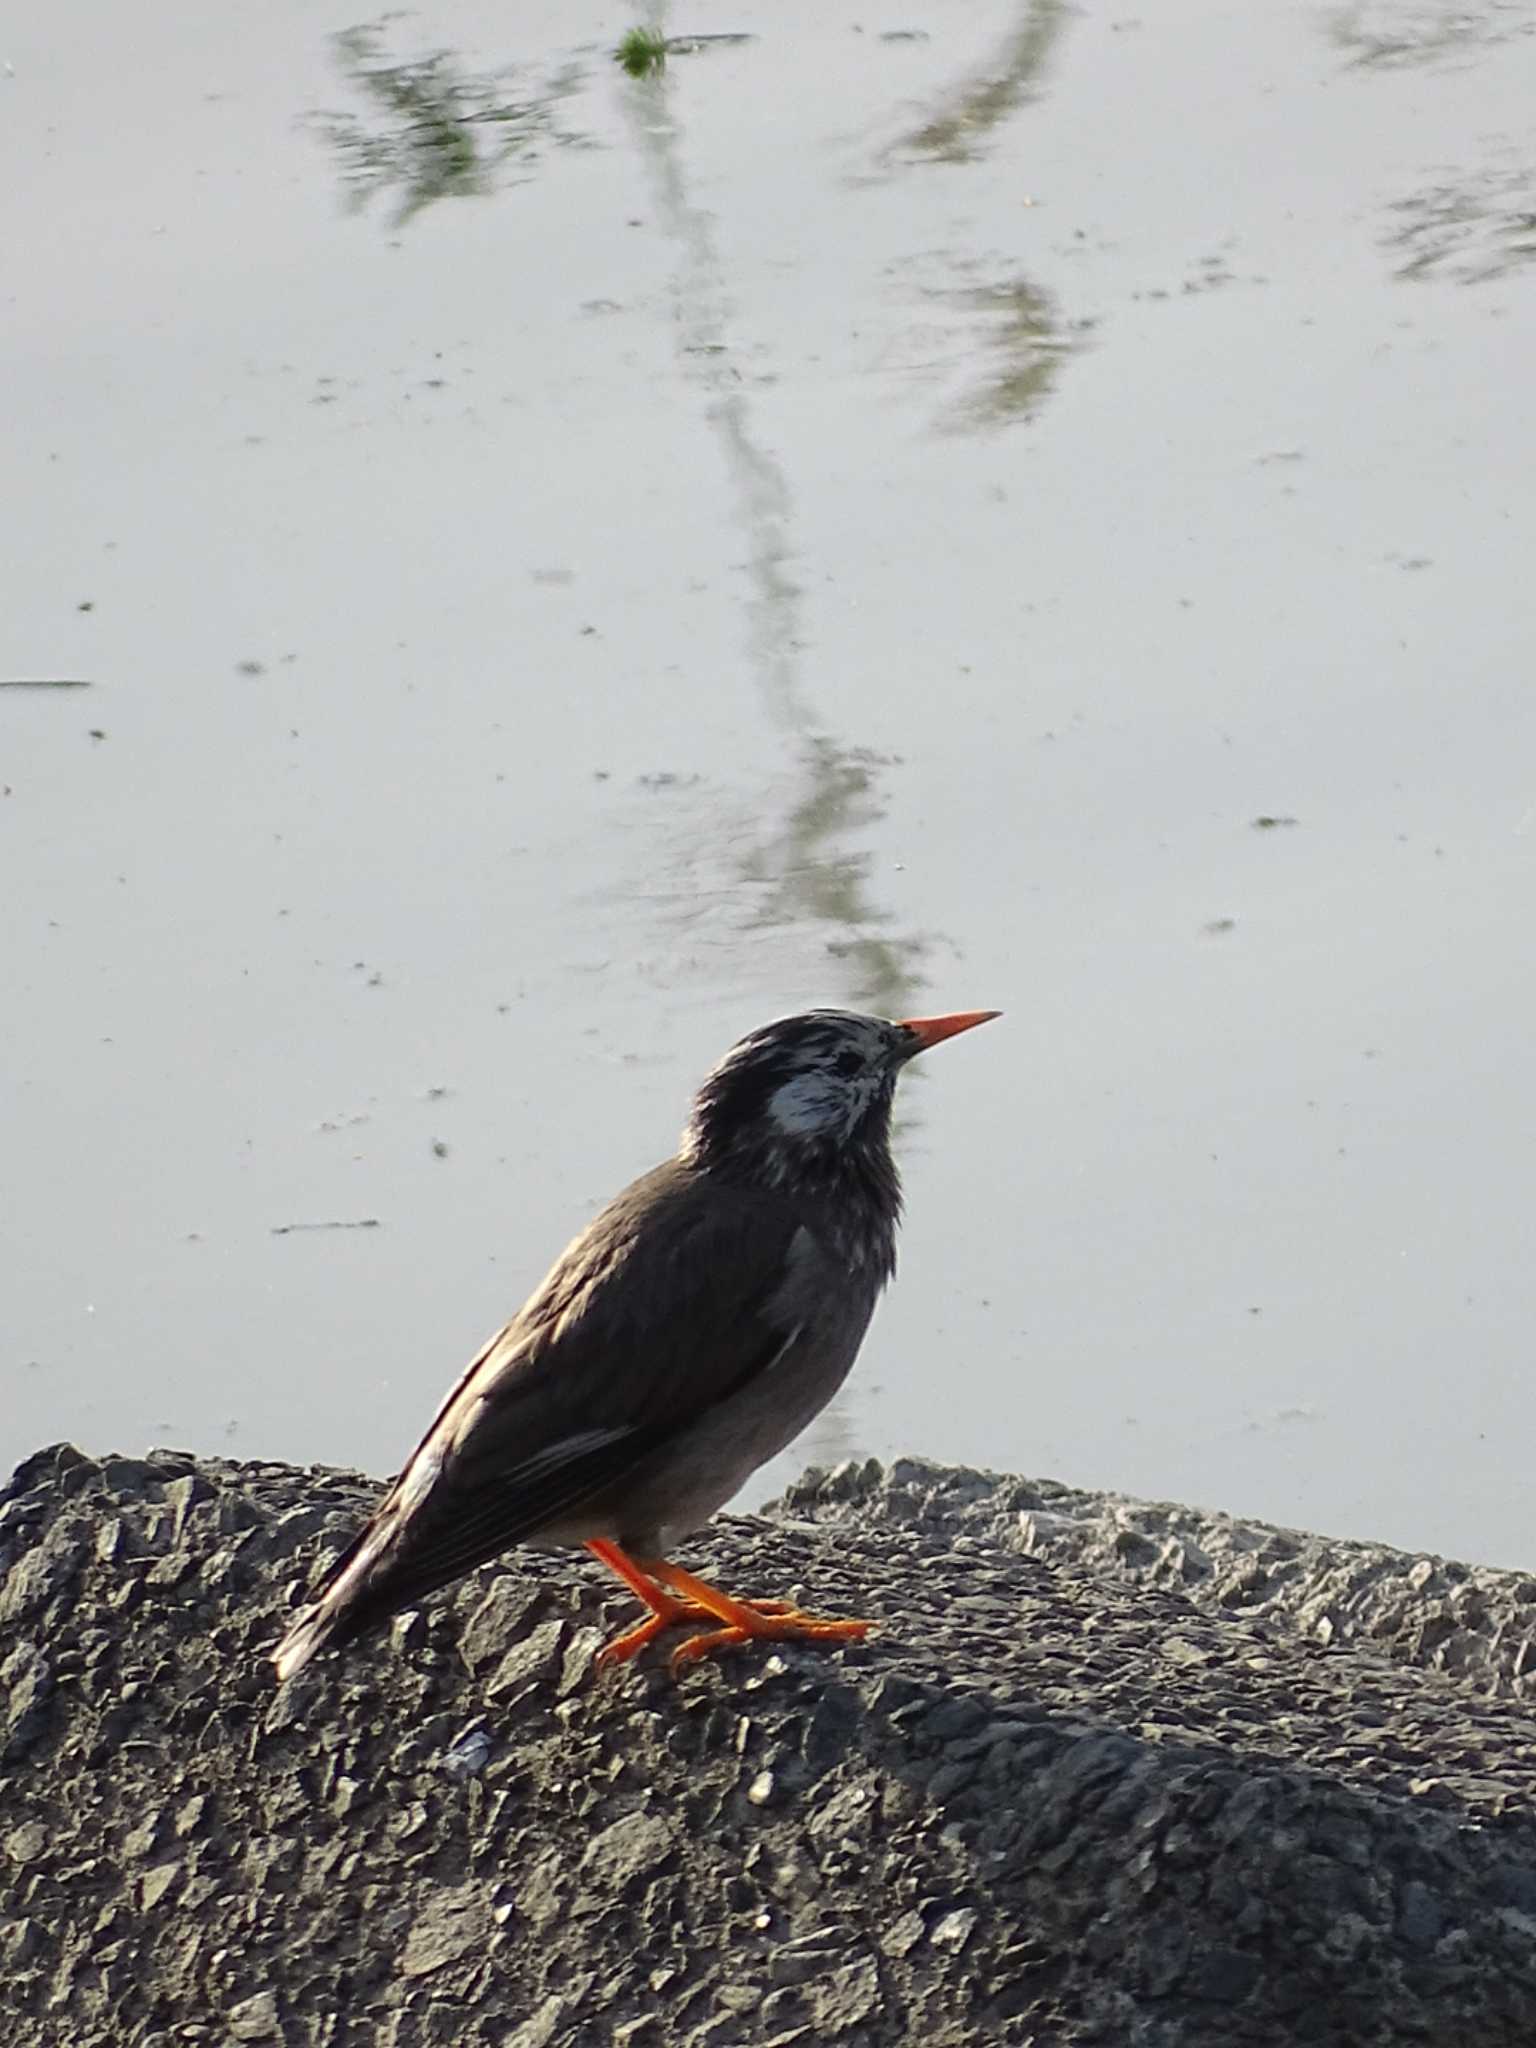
[993, 505]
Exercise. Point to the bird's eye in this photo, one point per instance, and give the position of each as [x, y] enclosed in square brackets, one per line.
[846, 1065]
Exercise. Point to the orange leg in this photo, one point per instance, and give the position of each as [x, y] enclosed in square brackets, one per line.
[692, 1599]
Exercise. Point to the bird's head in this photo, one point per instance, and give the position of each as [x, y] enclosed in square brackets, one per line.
[808, 1098]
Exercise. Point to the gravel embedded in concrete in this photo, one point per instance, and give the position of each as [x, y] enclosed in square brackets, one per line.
[1471, 1621]
[1097, 1779]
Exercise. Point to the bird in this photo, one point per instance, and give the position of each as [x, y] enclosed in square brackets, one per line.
[684, 1338]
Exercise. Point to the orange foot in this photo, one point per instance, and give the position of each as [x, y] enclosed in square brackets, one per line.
[690, 1599]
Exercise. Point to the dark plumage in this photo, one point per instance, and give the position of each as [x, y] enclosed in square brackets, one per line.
[685, 1338]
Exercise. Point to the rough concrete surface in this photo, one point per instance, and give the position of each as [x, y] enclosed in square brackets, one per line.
[1097, 1779]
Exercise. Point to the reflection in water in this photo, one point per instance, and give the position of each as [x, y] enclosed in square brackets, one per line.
[1471, 228]
[433, 131]
[806, 872]
[1028, 339]
[1388, 33]
[1024, 342]
[1028, 349]
[810, 873]
[956, 133]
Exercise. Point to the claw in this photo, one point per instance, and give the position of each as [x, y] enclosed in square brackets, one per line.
[634, 1640]
[631, 1642]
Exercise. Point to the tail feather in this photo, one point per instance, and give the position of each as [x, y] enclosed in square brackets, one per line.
[340, 1610]
[308, 1635]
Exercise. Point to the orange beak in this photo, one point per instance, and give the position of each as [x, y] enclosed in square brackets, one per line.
[930, 1031]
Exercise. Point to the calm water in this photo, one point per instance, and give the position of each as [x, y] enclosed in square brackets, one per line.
[998, 506]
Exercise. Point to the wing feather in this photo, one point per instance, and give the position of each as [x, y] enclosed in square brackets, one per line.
[664, 1306]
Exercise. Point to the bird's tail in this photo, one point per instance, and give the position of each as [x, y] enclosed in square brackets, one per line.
[309, 1634]
[340, 1609]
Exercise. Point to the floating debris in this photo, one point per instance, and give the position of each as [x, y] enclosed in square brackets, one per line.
[644, 50]
[337, 1223]
[641, 51]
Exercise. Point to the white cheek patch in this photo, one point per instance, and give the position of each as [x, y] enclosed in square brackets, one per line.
[812, 1106]
[799, 1107]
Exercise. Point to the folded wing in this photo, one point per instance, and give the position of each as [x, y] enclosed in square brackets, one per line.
[669, 1302]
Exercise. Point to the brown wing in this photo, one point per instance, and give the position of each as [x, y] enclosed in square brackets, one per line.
[664, 1305]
